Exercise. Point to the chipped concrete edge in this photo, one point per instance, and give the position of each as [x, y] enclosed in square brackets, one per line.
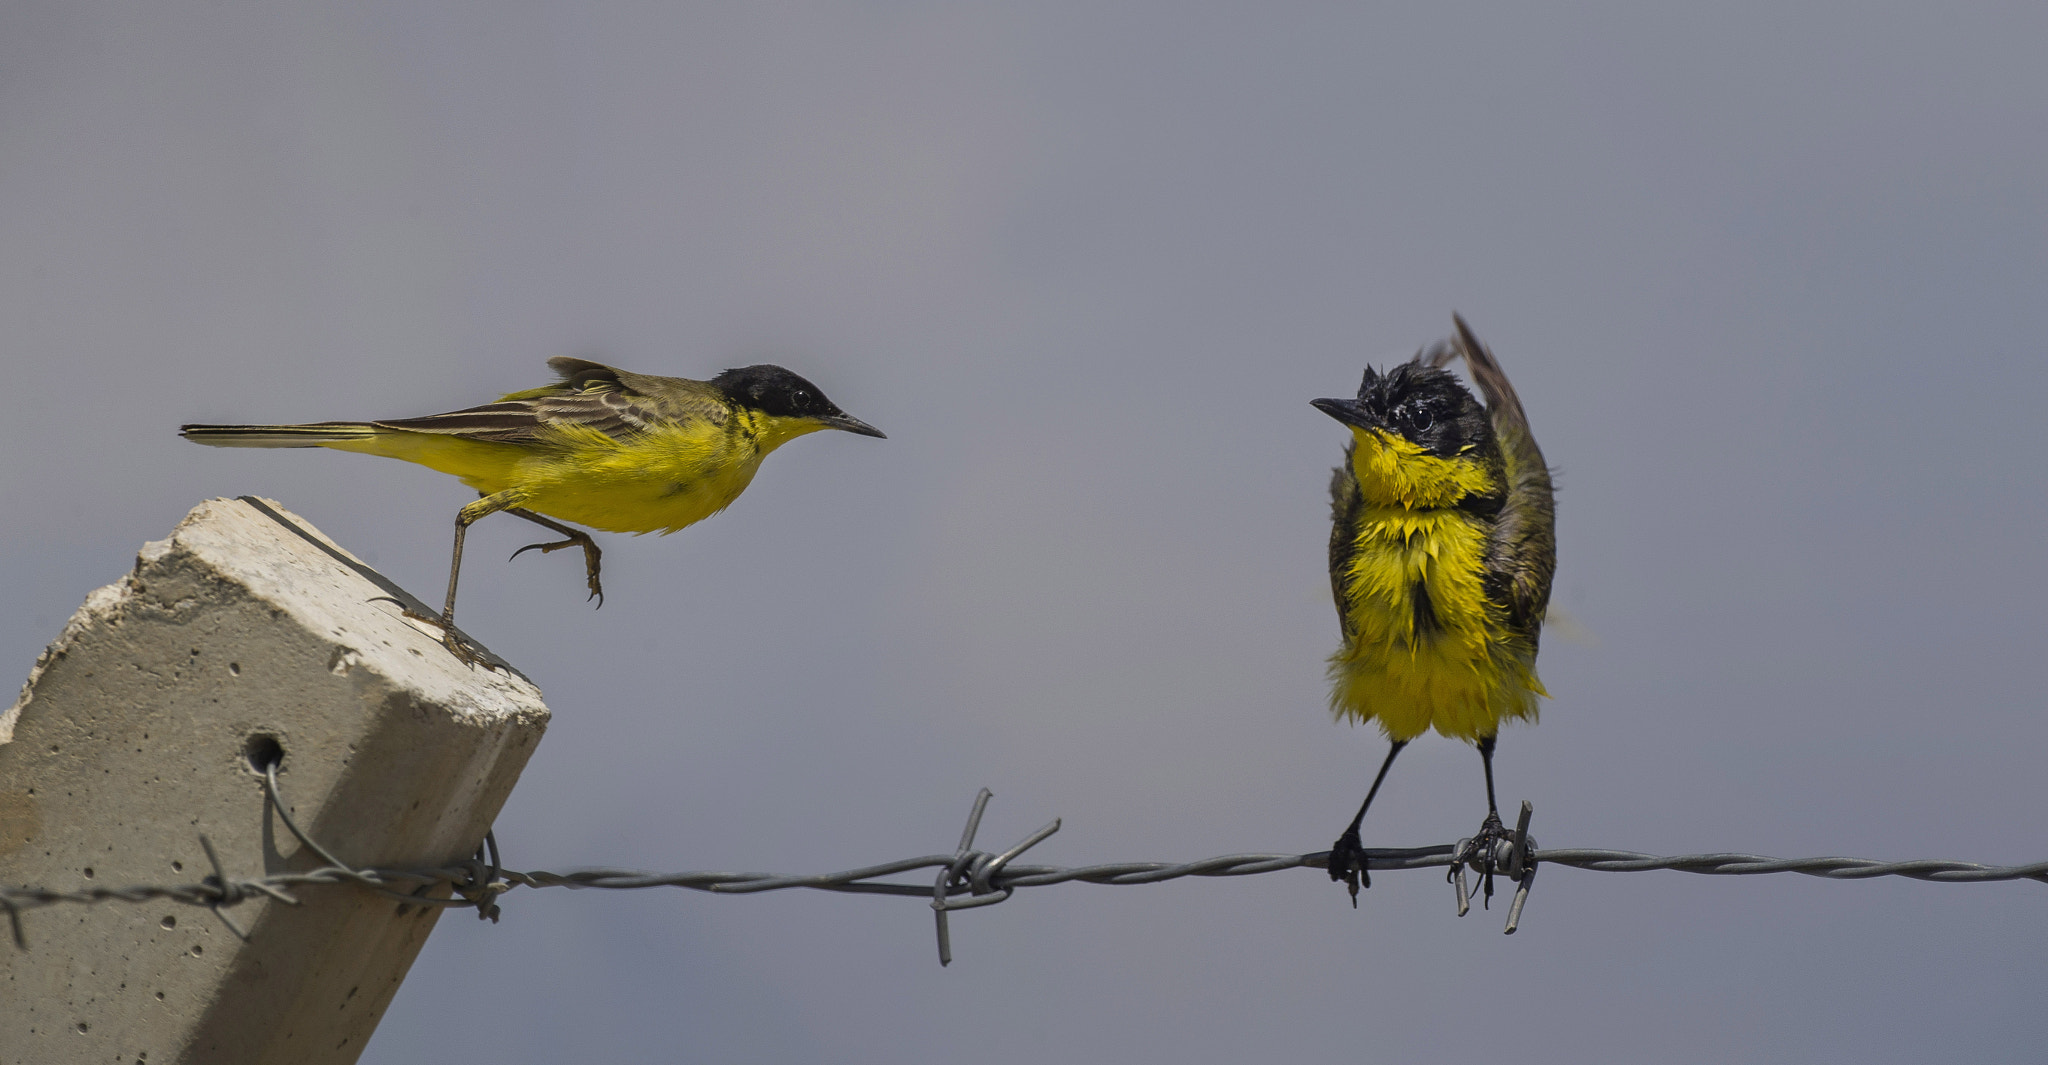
[110, 601]
[106, 603]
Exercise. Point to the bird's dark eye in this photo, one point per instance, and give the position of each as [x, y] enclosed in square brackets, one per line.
[1414, 418]
[800, 399]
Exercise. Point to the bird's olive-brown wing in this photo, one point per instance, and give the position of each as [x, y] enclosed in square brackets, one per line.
[1522, 557]
[589, 396]
[1345, 504]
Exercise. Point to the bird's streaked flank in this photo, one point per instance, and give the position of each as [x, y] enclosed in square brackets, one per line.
[1442, 546]
[617, 451]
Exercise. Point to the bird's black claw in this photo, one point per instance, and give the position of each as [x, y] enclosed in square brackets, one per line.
[460, 648]
[1347, 863]
[1487, 845]
[592, 562]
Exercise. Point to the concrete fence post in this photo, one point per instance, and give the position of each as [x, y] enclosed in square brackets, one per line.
[244, 637]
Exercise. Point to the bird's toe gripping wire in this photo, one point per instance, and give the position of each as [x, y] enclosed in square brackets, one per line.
[1347, 860]
[1494, 849]
[1347, 863]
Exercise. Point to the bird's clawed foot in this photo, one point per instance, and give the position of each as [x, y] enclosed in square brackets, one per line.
[465, 652]
[1496, 849]
[1485, 845]
[1347, 863]
[1481, 850]
[592, 558]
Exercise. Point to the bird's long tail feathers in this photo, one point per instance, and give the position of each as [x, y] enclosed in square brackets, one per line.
[313, 435]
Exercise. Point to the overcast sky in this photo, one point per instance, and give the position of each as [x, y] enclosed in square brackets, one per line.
[1772, 284]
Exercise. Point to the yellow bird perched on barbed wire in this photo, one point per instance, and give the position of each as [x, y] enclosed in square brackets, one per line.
[617, 451]
[1442, 547]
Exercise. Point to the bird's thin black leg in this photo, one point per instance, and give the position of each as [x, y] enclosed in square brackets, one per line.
[576, 538]
[1490, 830]
[1347, 855]
[464, 518]
[454, 572]
[1486, 760]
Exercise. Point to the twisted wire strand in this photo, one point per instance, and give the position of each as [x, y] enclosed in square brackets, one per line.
[983, 877]
[1937, 870]
[864, 879]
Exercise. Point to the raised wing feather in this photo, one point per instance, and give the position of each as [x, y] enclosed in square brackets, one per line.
[1523, 555]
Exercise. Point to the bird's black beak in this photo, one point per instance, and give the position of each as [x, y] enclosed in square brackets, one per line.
[1349, 411]
[851, 424]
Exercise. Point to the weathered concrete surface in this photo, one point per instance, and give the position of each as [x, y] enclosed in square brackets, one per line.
[129, 741]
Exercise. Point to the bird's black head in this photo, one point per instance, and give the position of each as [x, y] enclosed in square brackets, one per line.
[775, 391]
[1424, 406]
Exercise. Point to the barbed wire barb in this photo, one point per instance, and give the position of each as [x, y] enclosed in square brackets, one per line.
[976, 872]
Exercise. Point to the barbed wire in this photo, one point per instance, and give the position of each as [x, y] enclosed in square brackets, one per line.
[967, 877]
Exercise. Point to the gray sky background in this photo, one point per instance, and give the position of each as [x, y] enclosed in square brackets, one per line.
[1770, 282]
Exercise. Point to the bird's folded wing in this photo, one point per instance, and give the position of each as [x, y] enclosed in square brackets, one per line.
[1345, 505]
[529, 419]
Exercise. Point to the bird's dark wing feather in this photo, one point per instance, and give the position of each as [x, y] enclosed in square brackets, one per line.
[1345, 503]
[1523, 555]
[506, 421]
[589, 396]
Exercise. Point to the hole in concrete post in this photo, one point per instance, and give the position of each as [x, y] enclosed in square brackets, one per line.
[263, 751]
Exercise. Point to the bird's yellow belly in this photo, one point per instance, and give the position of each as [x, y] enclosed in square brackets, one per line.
[657, 482]
[650, 485]
[643, 503]
[1424, 648]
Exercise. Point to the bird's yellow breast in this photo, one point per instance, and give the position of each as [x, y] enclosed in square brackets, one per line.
[661, 480]
[1424, 647]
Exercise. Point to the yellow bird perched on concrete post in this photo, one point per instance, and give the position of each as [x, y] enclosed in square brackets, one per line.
[617, 451]
[1442, 547]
